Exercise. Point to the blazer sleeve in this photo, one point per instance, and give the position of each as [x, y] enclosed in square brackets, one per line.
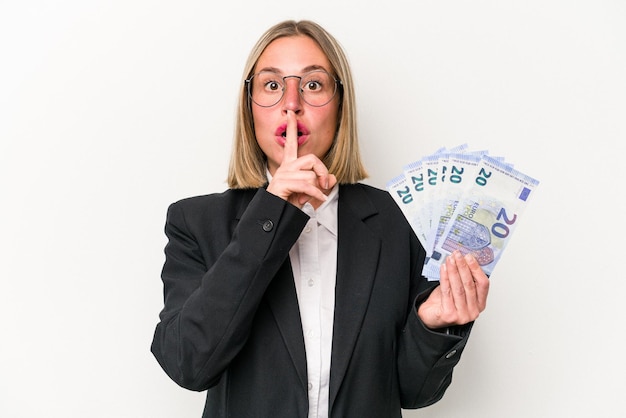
[426, 358]
[209, 304]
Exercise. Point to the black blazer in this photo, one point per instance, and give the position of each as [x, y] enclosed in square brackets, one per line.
[231, 322]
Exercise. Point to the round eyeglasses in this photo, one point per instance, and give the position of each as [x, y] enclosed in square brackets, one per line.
[317, 88]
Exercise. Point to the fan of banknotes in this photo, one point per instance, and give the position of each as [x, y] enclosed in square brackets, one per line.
[457, 199]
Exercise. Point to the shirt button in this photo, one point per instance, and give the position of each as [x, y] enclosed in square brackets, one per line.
[311, 283]
[307, 229]
[310, 386]
[268, 225]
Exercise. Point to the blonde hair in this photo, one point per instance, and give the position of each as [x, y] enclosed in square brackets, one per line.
[248, 163]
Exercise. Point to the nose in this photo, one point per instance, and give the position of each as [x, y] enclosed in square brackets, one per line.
[291, 97]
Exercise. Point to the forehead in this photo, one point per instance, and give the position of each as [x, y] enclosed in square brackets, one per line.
[292, 55]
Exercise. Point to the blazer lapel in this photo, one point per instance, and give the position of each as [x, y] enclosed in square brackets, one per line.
[283, 301]
[282, 298]
[358, 250]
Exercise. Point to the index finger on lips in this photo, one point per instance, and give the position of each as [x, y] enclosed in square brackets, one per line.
[290, 150]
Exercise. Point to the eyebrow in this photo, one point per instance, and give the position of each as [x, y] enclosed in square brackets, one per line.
[306, 69]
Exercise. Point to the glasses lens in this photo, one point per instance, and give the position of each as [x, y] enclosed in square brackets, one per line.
[266, 88]
[317, 88]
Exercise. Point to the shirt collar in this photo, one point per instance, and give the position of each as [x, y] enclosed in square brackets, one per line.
[326, 214]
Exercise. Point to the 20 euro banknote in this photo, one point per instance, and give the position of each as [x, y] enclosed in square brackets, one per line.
[486, 216]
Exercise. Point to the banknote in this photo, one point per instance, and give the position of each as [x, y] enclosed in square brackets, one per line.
[485, 217]
[404, 195]
[456, 199]
[457, 170]
[423, 179]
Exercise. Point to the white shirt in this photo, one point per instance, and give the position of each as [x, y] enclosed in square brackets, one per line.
[314, 263]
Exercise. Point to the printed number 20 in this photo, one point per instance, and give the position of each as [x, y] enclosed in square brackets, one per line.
[499, 229]
[405, 195]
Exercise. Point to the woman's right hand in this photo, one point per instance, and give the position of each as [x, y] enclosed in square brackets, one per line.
[300, 179]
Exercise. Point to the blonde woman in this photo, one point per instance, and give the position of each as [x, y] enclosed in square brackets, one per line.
[298, 291]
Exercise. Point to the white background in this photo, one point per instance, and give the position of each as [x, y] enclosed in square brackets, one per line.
[111, 110]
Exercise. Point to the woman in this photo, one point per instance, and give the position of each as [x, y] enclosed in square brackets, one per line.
[298, 291]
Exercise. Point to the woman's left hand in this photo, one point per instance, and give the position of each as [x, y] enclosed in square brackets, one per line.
[461, 295]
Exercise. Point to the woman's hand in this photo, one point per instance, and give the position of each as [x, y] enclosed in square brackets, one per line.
[461, 295]
[303, 179]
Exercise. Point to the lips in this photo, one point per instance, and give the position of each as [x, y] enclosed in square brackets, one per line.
[281, 134]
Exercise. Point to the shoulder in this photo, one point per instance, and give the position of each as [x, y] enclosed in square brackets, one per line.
[361, 193]
[378, 209]
[226, 203]
[372, 205]
[223, 198]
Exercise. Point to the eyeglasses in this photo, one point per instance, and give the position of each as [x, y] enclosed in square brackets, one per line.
[317, 88]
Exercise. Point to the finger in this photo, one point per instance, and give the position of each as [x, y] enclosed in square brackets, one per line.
[469, 286]
[323, 177]
[332, 180]
[480, 279]
[447, 302]
[313, 164]
[290, 150]
[456, 284]
[297, 186]
[308, 192]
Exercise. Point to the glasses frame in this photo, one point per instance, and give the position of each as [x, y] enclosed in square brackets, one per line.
[338, 86]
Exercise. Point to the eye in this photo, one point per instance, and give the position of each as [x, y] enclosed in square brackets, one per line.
[312, 86]
[272, 86]
[315, 82]
[268, 82]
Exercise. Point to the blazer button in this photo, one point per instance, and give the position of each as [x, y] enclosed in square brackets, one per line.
[451, 354]
[268, 225]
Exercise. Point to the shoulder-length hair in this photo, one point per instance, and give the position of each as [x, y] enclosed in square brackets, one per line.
[248, 163]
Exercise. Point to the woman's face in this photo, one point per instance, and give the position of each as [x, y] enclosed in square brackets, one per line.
[287, 56]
